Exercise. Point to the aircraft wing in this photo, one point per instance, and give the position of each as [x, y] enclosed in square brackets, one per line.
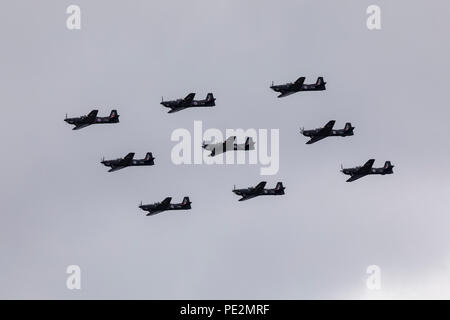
[152, 212]
[299, 82]
[325, 131]
[259, 187]
[229, 143]
[166, 202]
[231, 139]
[247, 197]
[369, 164]
[219, 149]
[176, 109]
[92, 115]
[81, 126]
[315, 139]
[189, 98]
[160, 207]
[115, 168]
[285, 94]
[255, 192]
[355, 177]
[127, 160]
[329, 125]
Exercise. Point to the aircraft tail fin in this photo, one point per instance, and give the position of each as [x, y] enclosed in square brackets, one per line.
[249, 141]
[249, 144]
[113, 114]
[186, 202]
[348, 128]
[149, 157]
[210, 100]
[388, 166]
[279, 188]
[320, 81]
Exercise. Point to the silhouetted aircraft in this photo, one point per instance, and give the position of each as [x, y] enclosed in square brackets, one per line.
[92, 118]
[327, 131]
[298, 85]
[366, 169]
[189, 102]
[165, 205]
[259, 191]
[128, 161]
[229, 145]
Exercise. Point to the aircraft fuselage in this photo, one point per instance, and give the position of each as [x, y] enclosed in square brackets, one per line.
[159, 207]
[318, 132]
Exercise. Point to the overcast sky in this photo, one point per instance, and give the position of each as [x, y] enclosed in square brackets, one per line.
[60, 207]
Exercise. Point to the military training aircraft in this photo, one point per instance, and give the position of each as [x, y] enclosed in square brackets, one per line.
[229, 145]
[91, 118]
[298, 85]
[128, 161]
[189, 102]
[366, 169]
[327, 131]
[259, 191]
[165, 205]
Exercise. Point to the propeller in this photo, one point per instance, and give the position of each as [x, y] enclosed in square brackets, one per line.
[140, 205]
[272, 83]
[342, 168]
[162, 99]
[302, 129]
[66, 115]
[234, 187]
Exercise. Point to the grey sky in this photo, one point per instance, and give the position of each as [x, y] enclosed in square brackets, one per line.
[59, 206]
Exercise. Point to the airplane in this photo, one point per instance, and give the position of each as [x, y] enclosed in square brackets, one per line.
[158, 207]
[91, 118]
[189, 102]
[228, 145]
[128, 161]
[327, 131]
[298, 85]
[259, 191]
[359, 172]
